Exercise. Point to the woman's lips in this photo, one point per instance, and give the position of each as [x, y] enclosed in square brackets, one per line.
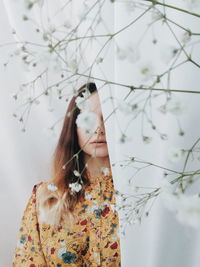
[98, 143]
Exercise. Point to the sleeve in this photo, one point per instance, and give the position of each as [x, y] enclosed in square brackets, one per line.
[28, 251]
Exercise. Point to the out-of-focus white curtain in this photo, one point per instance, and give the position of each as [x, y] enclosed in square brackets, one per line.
[25, 156]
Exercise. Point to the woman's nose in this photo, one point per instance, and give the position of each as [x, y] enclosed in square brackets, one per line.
[100, 127]
[99, 130]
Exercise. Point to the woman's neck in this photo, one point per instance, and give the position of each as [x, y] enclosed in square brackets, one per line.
[95, 166]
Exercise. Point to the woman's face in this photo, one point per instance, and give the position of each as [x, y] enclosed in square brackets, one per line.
[86, 141]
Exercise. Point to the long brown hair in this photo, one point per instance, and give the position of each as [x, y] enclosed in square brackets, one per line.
[55, 205]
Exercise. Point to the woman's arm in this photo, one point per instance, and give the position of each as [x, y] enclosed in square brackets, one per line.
[28, 251]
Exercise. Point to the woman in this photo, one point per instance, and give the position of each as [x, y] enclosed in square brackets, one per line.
[69, 220]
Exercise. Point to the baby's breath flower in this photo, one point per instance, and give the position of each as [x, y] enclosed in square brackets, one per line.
[147, 139]
[105, 171]
[76, 173]
[174, 154]
[175, 107]
[86, 120]
[75, 187]
[52, 187]
[83, 102]
[156, 15]
[73, 65]
[146, 70]
[186, 37]
[67, 24]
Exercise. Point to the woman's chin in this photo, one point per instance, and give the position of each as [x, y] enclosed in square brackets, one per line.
[99, 152]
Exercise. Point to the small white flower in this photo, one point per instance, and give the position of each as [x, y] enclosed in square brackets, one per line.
[83, 102]
[174, 154]
[73, 65]
[124, 139]
[147, 139]
[86, 165]
[162, 109]
[121, 54]
[99, 60]
[186, 37]
[86, 120]
[75, 187]
[174, 106]
[146, 71]
[76, 173]
[133, 54]
[67, 24]
[156, 15]
[61, 251]
[105, 171]
[52, 187]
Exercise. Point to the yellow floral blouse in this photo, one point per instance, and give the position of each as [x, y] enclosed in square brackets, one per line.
[92, 241]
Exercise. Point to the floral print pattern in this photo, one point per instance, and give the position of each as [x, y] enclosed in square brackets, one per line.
[92, 241]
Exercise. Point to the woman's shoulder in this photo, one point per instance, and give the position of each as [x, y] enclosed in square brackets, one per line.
[49, 202]
[37, 185]
[42, 191]
[42, 185]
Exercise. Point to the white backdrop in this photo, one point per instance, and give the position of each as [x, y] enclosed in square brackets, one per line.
[160, 240]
